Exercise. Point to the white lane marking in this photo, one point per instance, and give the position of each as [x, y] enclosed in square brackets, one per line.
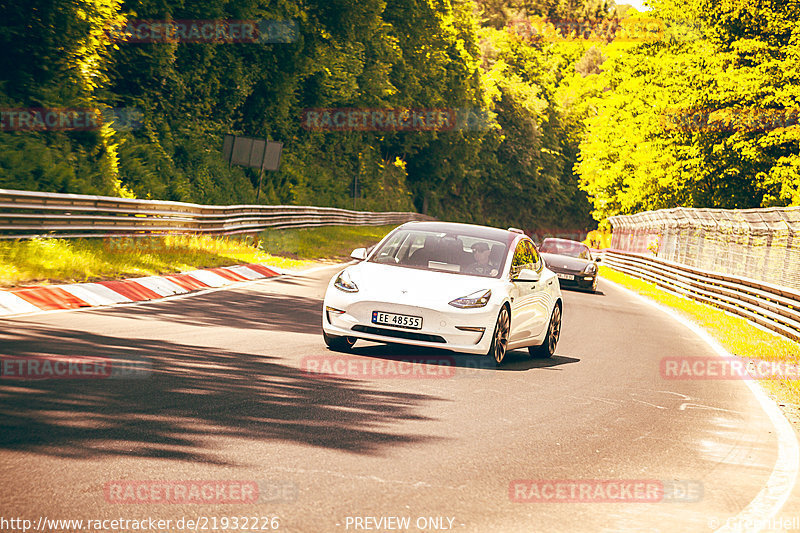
[648, 403]
[606, 400]
[770, 500]
[685, 406]
[676, 394]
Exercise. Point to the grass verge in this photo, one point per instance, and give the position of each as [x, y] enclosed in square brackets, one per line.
[734, 333]
[42, 261]
[326, 242]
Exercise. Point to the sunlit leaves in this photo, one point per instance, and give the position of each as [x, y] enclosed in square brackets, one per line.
[745, 65]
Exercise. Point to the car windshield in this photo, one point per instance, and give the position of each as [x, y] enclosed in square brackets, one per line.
[568, 248]
[459, 252]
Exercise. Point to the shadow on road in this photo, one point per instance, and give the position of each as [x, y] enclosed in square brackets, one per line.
[251, 310]
[572, 288]
[516, 360]
[181, 395]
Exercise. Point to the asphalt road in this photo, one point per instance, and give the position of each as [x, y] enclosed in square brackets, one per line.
[223, 394]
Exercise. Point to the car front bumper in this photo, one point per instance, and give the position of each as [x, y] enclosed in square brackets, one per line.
[441, 327]
[579, 279]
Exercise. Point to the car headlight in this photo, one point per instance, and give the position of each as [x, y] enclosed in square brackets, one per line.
[591, 268]
[471, 301]
[344, 283]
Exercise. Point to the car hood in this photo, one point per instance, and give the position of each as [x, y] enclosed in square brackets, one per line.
[564, 262]
[414, 286]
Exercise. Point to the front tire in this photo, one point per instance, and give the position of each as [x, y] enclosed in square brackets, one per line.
[548, 347]
[339, 344]
[594, 285]
[500, 337]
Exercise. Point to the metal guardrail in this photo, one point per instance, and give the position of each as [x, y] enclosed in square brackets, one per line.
[758, 243]
[771, 306]
[27, 214]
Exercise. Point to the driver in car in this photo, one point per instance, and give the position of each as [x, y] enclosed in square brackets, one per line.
[481, 266]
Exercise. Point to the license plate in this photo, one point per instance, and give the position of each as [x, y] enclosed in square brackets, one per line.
[565, 276]
[398, 321]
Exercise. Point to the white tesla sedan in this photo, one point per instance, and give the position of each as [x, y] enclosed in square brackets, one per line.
[460, 287]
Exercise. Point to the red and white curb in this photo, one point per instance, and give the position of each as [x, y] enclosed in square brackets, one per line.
[52, 297]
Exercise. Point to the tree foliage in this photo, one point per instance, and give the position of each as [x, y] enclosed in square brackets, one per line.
[687, 120]
[515, 168]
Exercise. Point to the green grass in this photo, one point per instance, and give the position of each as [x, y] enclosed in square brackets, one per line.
[734, 333]
[327, 242]
[42, 261]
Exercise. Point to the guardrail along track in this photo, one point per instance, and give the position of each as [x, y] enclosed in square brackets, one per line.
[27, 214]
[771, 306]
[762, 243]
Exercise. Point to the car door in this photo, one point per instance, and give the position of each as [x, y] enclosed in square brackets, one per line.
[525, 308]
[541, 293]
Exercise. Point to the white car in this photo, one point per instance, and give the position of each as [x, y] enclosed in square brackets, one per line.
[460, 287]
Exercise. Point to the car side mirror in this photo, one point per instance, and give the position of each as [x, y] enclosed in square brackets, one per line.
[527, 275]
[359, 253]
[597, 259]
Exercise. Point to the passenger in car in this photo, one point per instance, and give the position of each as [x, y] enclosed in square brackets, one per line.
[481, 265]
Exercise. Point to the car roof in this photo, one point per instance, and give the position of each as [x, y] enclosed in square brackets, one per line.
[487, 232]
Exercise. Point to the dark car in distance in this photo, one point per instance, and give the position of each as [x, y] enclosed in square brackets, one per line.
[571, 261]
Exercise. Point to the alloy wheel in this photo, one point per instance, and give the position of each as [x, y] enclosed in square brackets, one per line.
[500, 340]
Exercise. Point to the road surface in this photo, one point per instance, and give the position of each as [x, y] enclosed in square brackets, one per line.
[223, 393]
